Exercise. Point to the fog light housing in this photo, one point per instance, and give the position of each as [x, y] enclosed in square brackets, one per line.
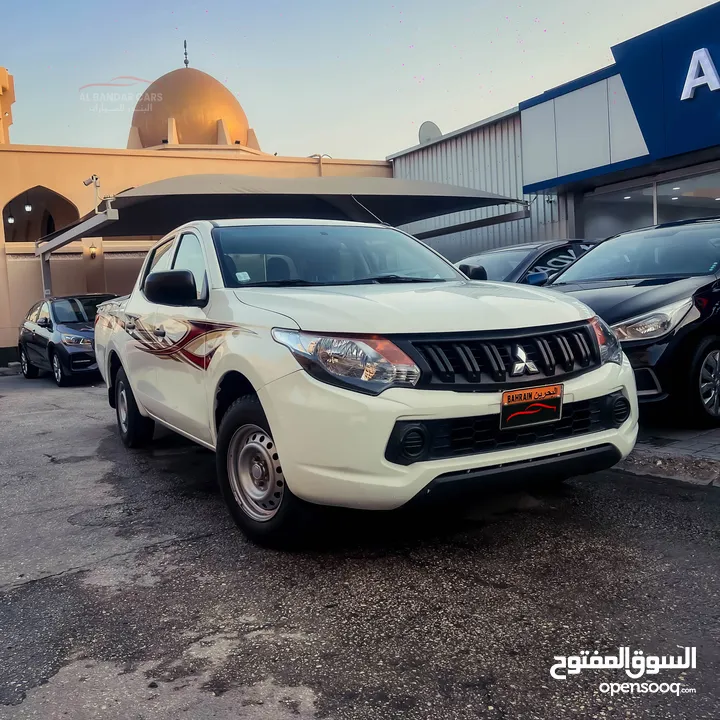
[413, 442]
[620, 410]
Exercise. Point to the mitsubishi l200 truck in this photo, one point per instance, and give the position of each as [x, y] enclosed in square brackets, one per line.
[348, 364]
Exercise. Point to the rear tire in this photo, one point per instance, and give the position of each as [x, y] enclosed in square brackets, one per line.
[62, 379]
[251, 479]
[29, 371]
[136, 430]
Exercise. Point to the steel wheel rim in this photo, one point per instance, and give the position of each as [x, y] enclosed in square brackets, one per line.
[123, 408]
[710, 383]
[23, 362]
[255, 473]
[57, 369]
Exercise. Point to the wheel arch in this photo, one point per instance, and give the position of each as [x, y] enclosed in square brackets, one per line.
[113, 367]
[232, 385]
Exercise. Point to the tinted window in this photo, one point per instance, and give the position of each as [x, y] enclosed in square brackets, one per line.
[77, 310]
[672, 251]
[324, 255]
[557, 259]
[498, 264]
[44, 312]
[33, 313]
[189, 257]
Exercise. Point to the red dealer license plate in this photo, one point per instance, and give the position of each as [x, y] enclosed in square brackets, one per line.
[531, 406]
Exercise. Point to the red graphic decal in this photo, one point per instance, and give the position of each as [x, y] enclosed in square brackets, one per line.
[197, 333]
[539, 406]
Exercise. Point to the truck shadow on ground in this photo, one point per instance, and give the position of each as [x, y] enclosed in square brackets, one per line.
[171, 487]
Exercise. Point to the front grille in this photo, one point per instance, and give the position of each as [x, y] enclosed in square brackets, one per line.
[489, 361]
[482, 434]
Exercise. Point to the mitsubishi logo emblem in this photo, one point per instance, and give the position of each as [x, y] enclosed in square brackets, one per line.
[522, 364]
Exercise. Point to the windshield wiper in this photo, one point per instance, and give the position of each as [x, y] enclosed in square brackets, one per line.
[282, 283]
[400, 279]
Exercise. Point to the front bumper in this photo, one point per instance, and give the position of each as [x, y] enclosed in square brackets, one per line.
[332, 442]
[652, 367]
[77, 360]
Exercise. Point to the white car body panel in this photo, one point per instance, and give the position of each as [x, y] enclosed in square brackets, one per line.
[332, 440]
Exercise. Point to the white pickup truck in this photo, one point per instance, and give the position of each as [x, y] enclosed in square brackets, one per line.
[346, 364]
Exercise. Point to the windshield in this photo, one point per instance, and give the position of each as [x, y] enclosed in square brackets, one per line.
[498, 265]
[78, 310]
[660, 252]
[252, 255]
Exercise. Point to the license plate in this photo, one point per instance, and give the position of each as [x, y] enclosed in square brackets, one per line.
[531, 406]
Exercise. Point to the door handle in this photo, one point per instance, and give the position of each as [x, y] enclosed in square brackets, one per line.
[159, 332]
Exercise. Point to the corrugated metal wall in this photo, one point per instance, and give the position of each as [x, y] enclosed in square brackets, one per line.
[487, 158]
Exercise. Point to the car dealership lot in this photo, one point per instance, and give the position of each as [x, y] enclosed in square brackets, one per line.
[127, 592]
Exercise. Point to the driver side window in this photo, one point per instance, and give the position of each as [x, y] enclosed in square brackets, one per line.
[189, 256]
[44, 312]
[160, 259]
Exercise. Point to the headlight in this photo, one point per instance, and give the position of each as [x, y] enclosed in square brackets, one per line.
[369, 363]
[76, 340]
[654, 324]
[610, 350]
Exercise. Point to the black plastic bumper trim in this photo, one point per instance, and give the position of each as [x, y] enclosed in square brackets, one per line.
[560, 465]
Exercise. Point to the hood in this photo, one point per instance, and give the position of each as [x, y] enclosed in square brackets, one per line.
[84, 329]
[417, 308]
[618, 300]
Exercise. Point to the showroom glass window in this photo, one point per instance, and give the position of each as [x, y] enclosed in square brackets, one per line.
[610, 213]
[688, 198]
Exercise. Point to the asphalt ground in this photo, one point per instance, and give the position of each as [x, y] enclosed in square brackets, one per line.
[127, 593]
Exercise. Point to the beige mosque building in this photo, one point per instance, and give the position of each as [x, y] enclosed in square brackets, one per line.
[185, 123]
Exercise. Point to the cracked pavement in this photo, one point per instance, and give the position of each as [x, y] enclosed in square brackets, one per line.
[127, 593]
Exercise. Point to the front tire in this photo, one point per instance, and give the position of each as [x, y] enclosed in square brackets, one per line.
[251, 478]
[29, 371]
[136, 430]
[699, 398]
[62, 379]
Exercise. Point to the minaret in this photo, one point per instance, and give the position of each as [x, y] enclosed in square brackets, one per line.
[7, 98]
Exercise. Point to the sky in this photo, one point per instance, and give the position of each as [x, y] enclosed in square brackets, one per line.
[350, 78]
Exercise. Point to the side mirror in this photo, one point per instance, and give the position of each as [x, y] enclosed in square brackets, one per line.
[43, 322]
[171, 287]
[476, 272]
[537, 278]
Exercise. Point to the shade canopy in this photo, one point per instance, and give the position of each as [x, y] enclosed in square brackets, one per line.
[159, 207]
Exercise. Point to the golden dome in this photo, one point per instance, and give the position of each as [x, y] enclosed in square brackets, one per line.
[196, 101]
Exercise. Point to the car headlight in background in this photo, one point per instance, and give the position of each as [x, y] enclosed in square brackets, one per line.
[369, 363]
[610, 350]
[654, 324]
[76, 340]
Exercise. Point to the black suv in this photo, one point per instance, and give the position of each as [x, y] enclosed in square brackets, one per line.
[58, 335]
[659, 289]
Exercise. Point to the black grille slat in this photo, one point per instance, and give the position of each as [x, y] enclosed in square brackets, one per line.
[472, 369]
[548, 359]
[485, 361]
[566, 353]
[585, 356]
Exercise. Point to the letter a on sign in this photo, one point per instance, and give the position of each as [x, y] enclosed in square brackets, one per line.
[701, 72]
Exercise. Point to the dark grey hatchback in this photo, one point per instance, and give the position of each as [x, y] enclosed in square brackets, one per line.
[58, 335]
